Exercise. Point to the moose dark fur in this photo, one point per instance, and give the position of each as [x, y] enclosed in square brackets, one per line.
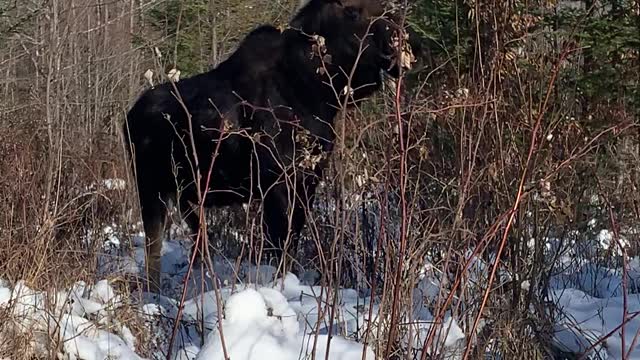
[264, 117]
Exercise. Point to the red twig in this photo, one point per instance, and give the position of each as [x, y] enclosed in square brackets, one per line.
[403, 213]
[458, 281]
[608, 335]
[202, 225]
[516, 204]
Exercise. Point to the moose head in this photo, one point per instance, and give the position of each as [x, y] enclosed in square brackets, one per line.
[358, 40]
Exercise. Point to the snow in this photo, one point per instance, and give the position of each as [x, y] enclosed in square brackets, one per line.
[64, 317]
[250, 333]
[588, 319]
[264, 315]
[589, 297]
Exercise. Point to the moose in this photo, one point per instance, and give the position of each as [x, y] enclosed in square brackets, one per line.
[260, 124]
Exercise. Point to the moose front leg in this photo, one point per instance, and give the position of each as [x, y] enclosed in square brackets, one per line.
[191, 215]
[283, 220]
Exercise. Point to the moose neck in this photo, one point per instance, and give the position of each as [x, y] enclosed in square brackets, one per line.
[301, 70]
[309, 74]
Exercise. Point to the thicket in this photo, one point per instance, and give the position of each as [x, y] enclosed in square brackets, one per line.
[523, 124]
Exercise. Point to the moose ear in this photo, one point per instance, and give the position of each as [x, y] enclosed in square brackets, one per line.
[304, 3]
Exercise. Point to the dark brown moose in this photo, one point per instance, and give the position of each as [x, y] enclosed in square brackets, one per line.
[264, 117]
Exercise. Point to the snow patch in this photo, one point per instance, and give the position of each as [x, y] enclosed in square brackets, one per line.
[261, 325]
[76, 319]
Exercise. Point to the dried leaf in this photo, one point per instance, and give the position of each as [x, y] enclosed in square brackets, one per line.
[174, 75]
[149, 76]
[346, 90]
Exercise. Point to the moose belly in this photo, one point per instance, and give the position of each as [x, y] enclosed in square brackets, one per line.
[230, 181]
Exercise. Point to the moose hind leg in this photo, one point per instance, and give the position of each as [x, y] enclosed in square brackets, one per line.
[153, 217]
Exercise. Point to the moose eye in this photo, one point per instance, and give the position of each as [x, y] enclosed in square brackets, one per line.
[352, 12]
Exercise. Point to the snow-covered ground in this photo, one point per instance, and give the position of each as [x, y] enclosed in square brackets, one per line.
[286, 318]
[595, 312]
[264, 318]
